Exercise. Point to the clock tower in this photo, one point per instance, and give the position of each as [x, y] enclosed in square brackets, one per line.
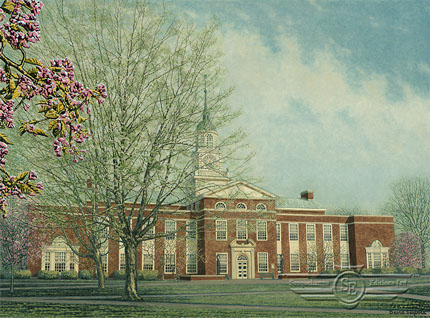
[208, 172]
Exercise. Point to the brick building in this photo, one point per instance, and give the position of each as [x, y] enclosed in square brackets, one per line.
[237, 229]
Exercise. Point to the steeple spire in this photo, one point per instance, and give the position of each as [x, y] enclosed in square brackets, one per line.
[206, 123]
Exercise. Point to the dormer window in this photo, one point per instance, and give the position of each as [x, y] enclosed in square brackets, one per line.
[241, 206]
[209, 140]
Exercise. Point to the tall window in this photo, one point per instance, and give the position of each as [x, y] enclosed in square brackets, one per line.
[170, 227]
[344, 260]
[122, 261]
[169, 263]
[221, 230]
[262, 262]
[148, 262]
[310, 232]
[209, 140]
[105, 263]
[222, 262]
[328, 262]
[294, 262]
[280, 263]
[241, 230]
[294, 232]
[191, 263]
[261, 230]
[327, 232]
[278, 232]
[60, 261]
[192, 229]
[72, 261]
[47, 261]
[344, 232]
[312, 262]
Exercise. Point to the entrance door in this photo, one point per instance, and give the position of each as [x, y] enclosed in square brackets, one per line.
[242, 267]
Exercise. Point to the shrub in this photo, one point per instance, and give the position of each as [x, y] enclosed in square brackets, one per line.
[409, 270]
[332, 271]
[86, 274]
[376, 270]
[69, 275]
[389, 270]
[367, 271]
[424, 271]
[120, 274]
[23, 274]
[3, 274]
[147, 275]
[48, 275]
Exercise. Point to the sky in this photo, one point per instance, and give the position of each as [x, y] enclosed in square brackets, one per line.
[334, 94]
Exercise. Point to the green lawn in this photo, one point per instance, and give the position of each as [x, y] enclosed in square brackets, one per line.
[19, 310]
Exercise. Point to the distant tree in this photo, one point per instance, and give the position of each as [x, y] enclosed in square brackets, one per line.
[22, 236]
[409, 203]
[343, 210]
[406, 251]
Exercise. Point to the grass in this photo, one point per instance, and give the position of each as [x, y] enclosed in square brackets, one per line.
[15, 309]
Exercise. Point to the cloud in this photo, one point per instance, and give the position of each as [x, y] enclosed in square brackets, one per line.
[309, 124]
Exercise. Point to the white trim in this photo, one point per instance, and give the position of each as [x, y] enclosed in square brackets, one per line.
[216, 229]
[265, 231]
[267, 261]
[301, 209]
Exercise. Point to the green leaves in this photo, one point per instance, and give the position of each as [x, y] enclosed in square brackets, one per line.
[5, 139]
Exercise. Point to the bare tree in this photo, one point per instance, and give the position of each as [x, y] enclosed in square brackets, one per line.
[144, 135]
[409, 203]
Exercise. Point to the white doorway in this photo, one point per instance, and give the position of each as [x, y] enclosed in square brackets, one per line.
[242, 267]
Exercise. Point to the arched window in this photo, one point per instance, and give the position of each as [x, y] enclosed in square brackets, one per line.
[261, 207]
[209, 140]
[241, 206]
[59, 256]
[377, 255]
[220, 206]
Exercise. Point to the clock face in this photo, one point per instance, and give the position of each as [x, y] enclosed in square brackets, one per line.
[209, 160]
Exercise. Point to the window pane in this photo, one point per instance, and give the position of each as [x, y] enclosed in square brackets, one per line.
[170, 227]
[262, 262]
[148, 262]
[344, 261]
[328, 260]
[192, 229]
[310, 232]
[242, 232]
[169, 263]
[280, 263]
[327, 232]
[122, 261]
[261, 230]
[344, 232]
[294, 232]
[192, 263]
[312, 262]
[222, 261]
[278, 232]
[221, 229]
[294, 263]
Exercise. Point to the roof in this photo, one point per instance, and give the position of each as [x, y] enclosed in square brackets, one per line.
[296, 203]
[206, 125]
[242, 186]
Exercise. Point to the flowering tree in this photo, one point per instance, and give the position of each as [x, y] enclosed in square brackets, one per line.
[406, 251]
[24, 81]
[22, 236]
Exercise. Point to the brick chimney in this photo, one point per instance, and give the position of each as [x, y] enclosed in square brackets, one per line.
[307, 194]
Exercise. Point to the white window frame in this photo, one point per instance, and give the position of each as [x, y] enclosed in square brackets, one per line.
[294, 266]
[312, 262]
[293, 234]
[241, 226]
[327, 233]
[192, 263]
[210, 141]
[344, 260]
[170, 227]
[192, 229]
[261, 230]
[279, 263]
[329, 261]
[343, 228]
[170, 257]
[221, 230]
[376, 249]
[220, 257]
[263, 262]
[310, 234]
[48, 259]
[148, 263]
[278, 232]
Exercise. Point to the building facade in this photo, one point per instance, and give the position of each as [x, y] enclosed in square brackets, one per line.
[237, 230]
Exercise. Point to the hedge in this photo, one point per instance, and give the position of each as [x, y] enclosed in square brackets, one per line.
[389, 270]
[48, 275]
[409, 270]
[3, 274]
[86, 274]
[147, 275]
[119, 274]
[424, 271]
[69, 274]
[23, 274]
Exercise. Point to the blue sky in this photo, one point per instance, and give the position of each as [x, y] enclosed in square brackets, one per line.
[334, 94]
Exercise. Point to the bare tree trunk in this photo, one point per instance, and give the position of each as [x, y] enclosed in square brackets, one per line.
[99, 269]
[130, 290]
[12, 274]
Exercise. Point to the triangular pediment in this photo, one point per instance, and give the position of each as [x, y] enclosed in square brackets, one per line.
[239, 189]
